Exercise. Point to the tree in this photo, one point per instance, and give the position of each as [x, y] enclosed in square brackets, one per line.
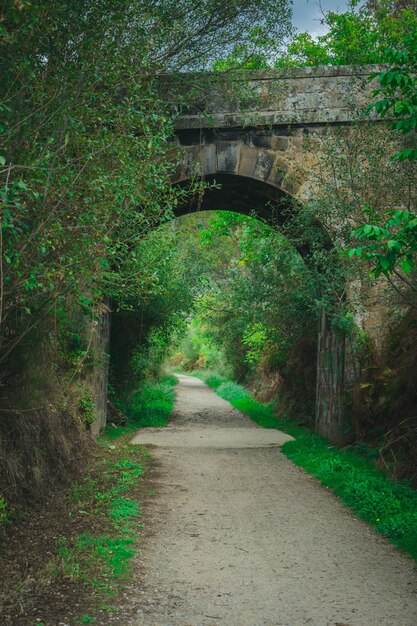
[389, 7]
[358, 36]
[256, 308]
[390, 241]
[81, 108]
[85, 163]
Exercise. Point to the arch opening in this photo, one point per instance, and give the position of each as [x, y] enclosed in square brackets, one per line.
[271, 204]
[262, 200]
[241, 195]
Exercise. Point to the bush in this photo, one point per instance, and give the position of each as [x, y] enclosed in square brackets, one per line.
[213, 380]
[232, 392]
[152, 403]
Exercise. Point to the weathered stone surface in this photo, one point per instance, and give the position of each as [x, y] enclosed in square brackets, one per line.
[270, 141]
[280, 143]
[191, 164]
[228, 157]
[307, 95]
[264, 164]
[248, 158]
[292, 186]
[99, 382]
[278, 172]
[207, 160]
[179, 173]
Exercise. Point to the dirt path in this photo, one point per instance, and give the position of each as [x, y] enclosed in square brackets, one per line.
[245, 538]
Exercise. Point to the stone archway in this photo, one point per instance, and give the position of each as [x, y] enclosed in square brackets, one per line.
[259, 196]
[252, 142]
[273, 158]
[255, 181]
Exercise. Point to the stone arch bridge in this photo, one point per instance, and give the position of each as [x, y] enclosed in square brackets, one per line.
[249, 133]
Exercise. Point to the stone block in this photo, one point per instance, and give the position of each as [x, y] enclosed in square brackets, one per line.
[291, 185]
[279, 143]
[278, 171]
[248, 157]
[178, 174]
[297, 95]
[264, 164]
[228, 157]
[207, 159]
[192, 164]
[260, 140]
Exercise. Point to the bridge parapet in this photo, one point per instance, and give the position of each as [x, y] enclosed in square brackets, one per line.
[281, 97]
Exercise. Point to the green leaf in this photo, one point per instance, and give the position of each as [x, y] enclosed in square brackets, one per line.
[392, 244]
[384, 263]
[407, 265]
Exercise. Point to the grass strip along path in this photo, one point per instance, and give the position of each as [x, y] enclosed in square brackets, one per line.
[65, 562]
[389, 506]
[82, 541]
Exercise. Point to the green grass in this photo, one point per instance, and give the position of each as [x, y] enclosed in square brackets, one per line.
[389, 506]
[86, 619]
[101, 557]
[152, 403]
[112, 433]
[214, 380]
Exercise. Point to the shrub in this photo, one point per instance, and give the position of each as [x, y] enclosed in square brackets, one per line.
[87, 407]
[213, 380]
[152, 403]
[232, 392]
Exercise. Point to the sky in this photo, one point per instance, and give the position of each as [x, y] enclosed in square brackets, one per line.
[307, 14]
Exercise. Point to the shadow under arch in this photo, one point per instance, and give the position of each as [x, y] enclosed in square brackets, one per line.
[276, 207]
[256, 198]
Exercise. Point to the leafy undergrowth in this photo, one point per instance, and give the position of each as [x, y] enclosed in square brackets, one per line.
[152, 403]
[80, 546]
[389, 506]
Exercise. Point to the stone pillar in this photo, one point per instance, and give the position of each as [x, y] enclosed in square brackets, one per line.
[330, 382]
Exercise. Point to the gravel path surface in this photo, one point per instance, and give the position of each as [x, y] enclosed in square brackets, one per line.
[242, 537]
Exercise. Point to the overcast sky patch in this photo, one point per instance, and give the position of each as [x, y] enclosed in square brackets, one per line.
[308, 14]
